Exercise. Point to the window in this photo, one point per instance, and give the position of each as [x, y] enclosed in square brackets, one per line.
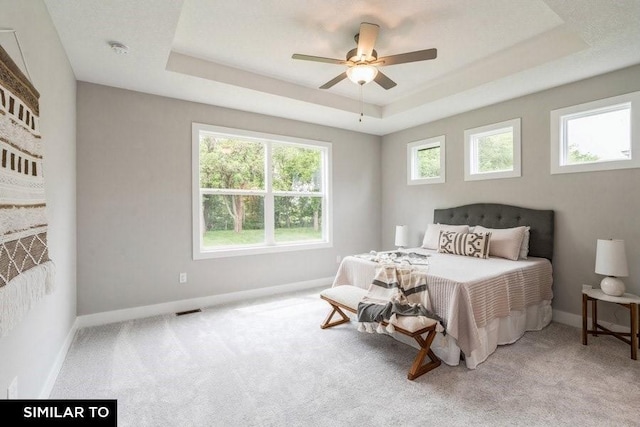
[596, 135]
[258, 193]
[426, 161]
[492, 151]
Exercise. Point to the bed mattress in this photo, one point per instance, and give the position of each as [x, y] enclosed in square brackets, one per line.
[484, 302]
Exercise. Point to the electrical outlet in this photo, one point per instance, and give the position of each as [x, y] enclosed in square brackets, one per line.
[183, 277]
[338, 259]
[12, 391]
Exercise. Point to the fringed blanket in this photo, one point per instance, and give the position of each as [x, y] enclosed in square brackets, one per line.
[26, 273]
[396, 291]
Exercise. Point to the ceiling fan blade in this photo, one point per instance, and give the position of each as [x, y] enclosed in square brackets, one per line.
[384, 81]
[318, 59]
[333, 81]
[366, 40]
[418, 55]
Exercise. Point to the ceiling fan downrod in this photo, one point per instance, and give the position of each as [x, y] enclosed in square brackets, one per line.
[361, 104]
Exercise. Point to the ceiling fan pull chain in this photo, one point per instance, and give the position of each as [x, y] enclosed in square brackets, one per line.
[361, 105]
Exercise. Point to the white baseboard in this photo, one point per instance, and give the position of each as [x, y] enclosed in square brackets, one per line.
[575, 320]
[567, 318]
[193, 303]
[57, 364]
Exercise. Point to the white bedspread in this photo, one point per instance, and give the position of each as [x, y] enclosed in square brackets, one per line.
[485, 302]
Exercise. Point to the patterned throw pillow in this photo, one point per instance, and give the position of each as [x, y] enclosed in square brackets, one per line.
[468, 244]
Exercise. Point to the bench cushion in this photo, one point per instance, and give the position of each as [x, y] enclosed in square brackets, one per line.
[346, 295]
[413, 324]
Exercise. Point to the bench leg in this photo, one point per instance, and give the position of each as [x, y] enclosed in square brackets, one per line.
[419, 367]
[328, 323]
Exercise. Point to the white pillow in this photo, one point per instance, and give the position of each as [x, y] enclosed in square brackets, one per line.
[432, 235]
[524, 247]
[505, 242]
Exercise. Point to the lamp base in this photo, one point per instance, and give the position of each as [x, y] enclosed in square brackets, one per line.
[612, 286]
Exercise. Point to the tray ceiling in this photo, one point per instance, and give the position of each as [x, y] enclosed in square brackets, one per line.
[229, 54]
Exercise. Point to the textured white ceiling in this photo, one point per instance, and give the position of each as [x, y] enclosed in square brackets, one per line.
[238, 54]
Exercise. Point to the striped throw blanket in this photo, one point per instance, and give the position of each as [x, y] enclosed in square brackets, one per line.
[396, 291]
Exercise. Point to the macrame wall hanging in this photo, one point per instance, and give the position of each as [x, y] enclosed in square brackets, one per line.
[26, 272]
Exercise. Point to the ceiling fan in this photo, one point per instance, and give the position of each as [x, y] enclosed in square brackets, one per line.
[363, 61]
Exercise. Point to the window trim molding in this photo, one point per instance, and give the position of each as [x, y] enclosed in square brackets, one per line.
[199, 253]
[412, 151]
[515, 125]
[557, 120]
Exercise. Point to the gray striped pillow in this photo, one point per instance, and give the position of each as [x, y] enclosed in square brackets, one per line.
[468, 244]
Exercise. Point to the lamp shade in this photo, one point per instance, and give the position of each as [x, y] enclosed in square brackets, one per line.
[402, 235]
[362, 73]
[611, 259]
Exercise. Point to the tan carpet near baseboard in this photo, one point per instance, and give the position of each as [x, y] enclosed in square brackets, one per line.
[267, 362]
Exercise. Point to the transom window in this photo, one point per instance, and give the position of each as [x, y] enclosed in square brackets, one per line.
[426, 161]
[256, 193]
[492, 151]
[595, 135]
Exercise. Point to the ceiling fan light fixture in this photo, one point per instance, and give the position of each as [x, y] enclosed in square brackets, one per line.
[362, 74]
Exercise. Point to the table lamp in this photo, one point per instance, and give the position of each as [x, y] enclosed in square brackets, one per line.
[611, 261]
[402, 236]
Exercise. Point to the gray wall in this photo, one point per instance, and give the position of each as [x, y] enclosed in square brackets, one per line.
[588, 206]
[134, 202]
[30, 350]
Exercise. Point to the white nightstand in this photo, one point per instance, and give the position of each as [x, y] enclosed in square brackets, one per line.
[627, 300]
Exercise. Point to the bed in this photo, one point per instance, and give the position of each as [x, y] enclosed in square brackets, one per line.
[484, 302]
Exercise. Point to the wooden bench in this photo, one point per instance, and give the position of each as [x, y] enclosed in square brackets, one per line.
[347, 297]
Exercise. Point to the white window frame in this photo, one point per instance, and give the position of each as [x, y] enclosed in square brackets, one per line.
[561, 116]
[470, 159]
[413, 148]
[269, 246]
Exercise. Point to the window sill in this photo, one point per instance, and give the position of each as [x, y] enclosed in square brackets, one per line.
[228, 252]
[492, 175]
[595, 166]
[422, 181]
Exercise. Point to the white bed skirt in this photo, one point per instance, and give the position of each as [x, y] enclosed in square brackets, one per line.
[501, 331]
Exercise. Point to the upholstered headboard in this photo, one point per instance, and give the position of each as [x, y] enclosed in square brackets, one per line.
[493, 215]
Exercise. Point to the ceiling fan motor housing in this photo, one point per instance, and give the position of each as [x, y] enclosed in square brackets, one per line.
[352, 56]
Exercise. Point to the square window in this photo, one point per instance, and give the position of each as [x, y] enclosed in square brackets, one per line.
[297, 218]
[232, 220]
[595, 136]
[599, 136]
[426, 161]
[492, 151]
[258, 193]
[296, 168]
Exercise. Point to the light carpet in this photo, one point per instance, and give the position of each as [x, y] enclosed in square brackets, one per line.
[268, 363]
